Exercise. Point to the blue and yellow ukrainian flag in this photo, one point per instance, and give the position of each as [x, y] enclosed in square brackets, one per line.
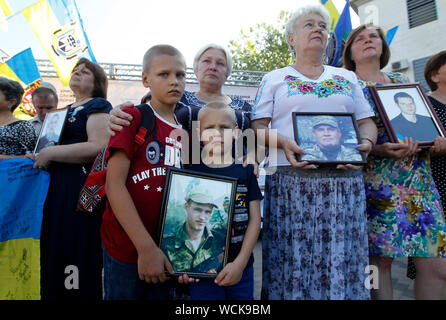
[59, 27]
[22, 197]
[340, 28]
[334, 14]
[341, 32]
[23, 68]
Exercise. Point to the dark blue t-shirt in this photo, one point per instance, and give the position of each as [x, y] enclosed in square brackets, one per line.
[422, 130]
[247, 190]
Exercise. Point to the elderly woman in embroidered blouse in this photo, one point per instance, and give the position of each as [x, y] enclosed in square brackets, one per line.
[314, 231]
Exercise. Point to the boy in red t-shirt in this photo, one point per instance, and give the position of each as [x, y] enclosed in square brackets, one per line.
[134, 266]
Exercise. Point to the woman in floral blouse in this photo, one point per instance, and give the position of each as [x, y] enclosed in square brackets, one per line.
[17, 137]
[404, 213]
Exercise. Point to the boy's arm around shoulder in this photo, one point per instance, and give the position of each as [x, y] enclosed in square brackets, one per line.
[151, 260]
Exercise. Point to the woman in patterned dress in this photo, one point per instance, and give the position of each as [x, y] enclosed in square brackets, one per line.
[315, 225]
[403, 207]
[16, 136]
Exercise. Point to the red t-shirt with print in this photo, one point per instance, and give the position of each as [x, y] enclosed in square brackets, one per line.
[145, 181]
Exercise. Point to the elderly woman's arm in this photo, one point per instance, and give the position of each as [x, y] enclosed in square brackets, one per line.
[97, 131]
[368, 133]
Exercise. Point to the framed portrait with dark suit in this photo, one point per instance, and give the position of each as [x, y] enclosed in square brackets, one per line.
[328, 139]
[407, 112]
[52, 129]
[195, 222]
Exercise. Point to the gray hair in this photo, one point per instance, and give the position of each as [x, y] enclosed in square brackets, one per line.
[302, 12]
[217, 47]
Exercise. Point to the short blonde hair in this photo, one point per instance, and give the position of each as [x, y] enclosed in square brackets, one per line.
[217, 47]
[159, 50]
[218, 106]
[302, 12]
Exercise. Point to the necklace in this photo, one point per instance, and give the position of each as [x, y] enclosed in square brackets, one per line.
[206, 99]
[382, 78]
[439, 96]
[80, 102]
[78, 106]
[313, 75]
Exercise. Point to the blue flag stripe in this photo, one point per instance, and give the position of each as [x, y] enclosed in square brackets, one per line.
[21, 206]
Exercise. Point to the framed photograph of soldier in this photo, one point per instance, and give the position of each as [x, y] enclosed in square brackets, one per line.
[328, 139]
[52, 128]
[195, 222]
[406, 112]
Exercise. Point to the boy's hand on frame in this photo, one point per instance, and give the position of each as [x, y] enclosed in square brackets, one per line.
[152, 265]
[230, 275]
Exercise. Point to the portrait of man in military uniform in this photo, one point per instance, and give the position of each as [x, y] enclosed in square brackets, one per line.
[196, 245]
[51, 129]
[329, 145]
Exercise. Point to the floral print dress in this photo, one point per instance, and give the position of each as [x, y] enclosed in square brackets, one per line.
[403, 208]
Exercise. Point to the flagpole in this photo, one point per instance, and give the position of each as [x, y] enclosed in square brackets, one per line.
[7, 56]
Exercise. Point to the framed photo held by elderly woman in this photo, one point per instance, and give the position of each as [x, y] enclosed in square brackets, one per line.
[195, 223]
[328, 139]
[407, 112]
[52, 129]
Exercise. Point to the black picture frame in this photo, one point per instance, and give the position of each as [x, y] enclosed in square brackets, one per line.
[345, 134]
[187, 195]
[424, 130]
[52, 129]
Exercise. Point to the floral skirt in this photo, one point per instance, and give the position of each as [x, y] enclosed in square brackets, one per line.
[404, 213]
[314, 235]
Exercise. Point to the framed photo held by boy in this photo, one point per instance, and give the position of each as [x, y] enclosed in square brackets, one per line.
[195, 221]
[406, 112]
[328, 139]
[52, 128]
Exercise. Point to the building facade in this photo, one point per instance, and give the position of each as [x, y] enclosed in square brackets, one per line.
[421, 31]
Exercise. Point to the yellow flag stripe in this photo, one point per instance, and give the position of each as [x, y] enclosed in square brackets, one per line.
[20, 269]
[334, 14]
[44, 23]
[7, 72]
[6, 8]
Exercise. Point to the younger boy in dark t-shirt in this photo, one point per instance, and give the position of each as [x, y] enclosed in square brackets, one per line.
[236, 280]
[134, 266]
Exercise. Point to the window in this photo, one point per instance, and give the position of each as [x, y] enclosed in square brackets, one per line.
[421, 12]
[418, 69]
